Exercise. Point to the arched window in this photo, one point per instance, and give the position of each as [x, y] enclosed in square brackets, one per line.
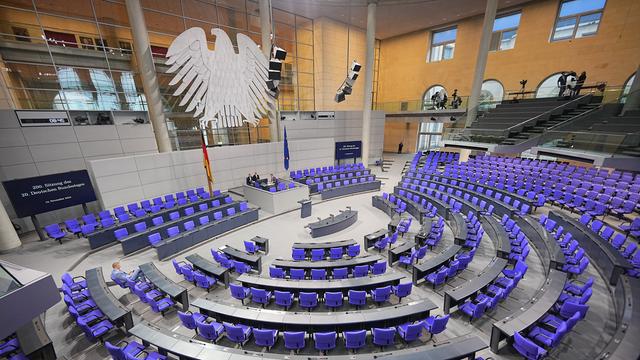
[491, 93]
[626, 89]
[549, 86]
[427, 103]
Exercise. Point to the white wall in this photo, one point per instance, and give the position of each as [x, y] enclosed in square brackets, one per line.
[129, 179]
[35, 151]
[347, 126]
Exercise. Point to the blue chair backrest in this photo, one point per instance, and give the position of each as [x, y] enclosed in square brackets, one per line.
[217, 215]
[173, 231]
[121, 233]
[141, 226]
[157, 221]
[203, 220]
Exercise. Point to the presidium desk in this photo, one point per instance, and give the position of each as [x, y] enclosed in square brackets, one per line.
[333, 224]
[279, 201]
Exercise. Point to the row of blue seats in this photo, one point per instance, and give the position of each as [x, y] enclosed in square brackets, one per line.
[618, 242]
[235, 265]
[296, 340]
[197, 277]
[575, 260]
[519, 242]
[84, 310]
[10, 348]
[309, 300]
[321, 274]
[328, 170]
[331, 184]
[402, 206]
[132, 350]
[173, 231]
[321, 254]
[341, 176]
[497, 291]
[535, 342]
[280, 187]
[121, 233]
[391, 239]
[90, 222]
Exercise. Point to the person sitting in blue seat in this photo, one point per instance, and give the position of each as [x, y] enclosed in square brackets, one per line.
[121, 277]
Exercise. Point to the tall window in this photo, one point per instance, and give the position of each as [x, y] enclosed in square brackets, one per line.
[430, 135]
[627, 89]
[428, 97]
[491, 94]
[578, 18]
[443, 43]
[505, 29]
[549, 86]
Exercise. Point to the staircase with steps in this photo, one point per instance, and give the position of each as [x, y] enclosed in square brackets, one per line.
[540, 127]
[386, 165]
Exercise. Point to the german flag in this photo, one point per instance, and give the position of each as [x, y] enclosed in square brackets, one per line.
[207, 164]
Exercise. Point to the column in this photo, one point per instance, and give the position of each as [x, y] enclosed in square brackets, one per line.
[8, 237]
[481, 60]
[265, 29]
[633, 97]
[368, 80]
[147, 70]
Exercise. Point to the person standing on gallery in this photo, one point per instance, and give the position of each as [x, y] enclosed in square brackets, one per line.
[400, 146]
[562, 83]
[249, 180]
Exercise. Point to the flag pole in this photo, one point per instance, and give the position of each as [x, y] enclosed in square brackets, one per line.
[205, 158]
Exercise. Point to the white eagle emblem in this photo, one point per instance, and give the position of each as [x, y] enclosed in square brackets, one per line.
[224, 88]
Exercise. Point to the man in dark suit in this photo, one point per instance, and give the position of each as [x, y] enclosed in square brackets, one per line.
[249, 181]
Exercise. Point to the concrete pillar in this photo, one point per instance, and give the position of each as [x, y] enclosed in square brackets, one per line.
[481, 60]
[265, 29]
[633, 97]
[368, 80]
[8, 237]
[147, 70]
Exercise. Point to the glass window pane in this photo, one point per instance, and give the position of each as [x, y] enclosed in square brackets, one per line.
[163, 23]
[580, 6]
[508, 40]
[31, 76]
[112, 12]
[71, 8]
[627, 88]
[506, 22]
[284, 31]
[169, 6]
[448, 51]
[564, 29]
[200, 10]
[588, 25]
[443, 36]
[436, 53]
[426, 99]
[549, 87]
[232, 18]
[491, 91]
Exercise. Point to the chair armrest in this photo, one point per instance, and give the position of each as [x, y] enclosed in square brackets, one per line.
[93, 332]
[79, 277]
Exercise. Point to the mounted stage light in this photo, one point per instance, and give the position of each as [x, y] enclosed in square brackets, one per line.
[278, 53]
[275, 65]
[347, 85]
[340, 96]
[347, 89]
[355, 66]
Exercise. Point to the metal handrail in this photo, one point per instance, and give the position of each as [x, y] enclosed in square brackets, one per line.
[573, 119]
[506, 131]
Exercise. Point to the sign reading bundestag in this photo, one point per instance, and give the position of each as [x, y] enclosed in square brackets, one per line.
[36, 195]
[348, 149]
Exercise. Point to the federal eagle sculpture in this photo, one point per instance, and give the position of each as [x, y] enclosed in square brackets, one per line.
[222, 87]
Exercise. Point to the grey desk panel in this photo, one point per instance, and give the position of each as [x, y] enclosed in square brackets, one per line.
[497, 234]
[327, 264]
[317, 320]
[473, 286]
[548, 248]
[393, 224]
[140, 240]
[350, 189]
[608, 259]
[425, 230]
[424, 268]
[458, 226]
[383, 204]
[333, 224]
[462, 347]
[172, 246]
[106, 301]
[321, 286]
[210, 268]
[105, 236]
[530, 313]
[167, 286]
[34, 340]
[394, 253]
[442, 207]
[255, 261]
[323, 245]
[624, 344]
[262, 243]
[372, 238]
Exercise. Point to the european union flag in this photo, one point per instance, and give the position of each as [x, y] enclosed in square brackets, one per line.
[286, 150]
